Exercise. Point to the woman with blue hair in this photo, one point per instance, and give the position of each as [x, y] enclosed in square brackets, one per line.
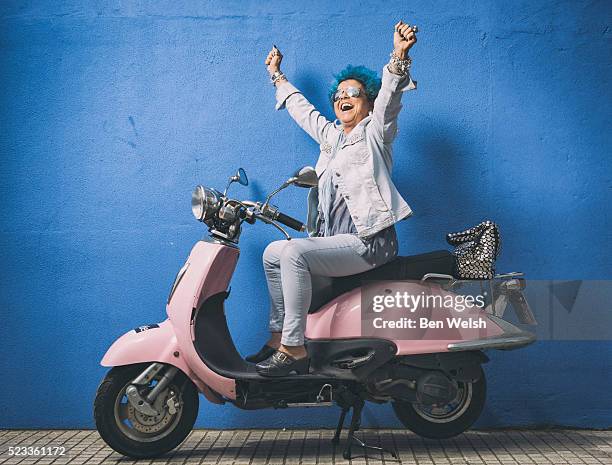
[352, 212]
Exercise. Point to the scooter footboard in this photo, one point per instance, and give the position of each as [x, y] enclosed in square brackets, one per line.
[149, 344]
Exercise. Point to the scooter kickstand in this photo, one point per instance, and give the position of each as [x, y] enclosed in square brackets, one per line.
[336, 438]
[355, 423]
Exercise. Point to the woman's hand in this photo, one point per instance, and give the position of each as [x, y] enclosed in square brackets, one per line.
[404, 38]
[273, 60]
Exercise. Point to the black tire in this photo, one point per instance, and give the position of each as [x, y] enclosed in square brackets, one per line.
[442, 426]
[124, 437]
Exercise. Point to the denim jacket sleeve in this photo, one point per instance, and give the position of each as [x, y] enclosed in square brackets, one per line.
[388, 105]
[302, 111]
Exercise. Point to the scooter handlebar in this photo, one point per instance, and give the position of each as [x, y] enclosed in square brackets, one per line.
[270, 212]
[290, 222]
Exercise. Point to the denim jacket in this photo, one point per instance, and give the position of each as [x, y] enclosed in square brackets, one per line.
[361, 160]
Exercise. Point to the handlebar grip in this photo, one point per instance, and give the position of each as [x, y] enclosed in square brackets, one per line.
[290, 222]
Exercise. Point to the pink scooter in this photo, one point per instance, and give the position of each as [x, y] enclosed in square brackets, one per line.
[148, 402]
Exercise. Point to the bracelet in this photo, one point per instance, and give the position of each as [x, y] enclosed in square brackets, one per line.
[277, 76]
[399, 65]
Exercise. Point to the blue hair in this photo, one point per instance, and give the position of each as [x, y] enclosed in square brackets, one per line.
[366, 76]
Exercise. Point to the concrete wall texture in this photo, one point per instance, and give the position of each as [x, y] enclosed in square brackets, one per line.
[112, 111]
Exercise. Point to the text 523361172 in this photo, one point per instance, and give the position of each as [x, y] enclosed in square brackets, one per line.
[36, 451]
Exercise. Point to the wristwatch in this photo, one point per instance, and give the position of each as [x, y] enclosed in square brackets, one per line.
[276, 76]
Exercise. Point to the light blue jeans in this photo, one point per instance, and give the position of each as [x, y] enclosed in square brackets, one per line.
[292, 266]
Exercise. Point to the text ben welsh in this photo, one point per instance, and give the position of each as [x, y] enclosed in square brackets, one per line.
[410, 302]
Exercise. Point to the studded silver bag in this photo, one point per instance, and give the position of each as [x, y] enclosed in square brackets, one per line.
[476, 250]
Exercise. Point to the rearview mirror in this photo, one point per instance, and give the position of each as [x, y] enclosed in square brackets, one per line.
[241, 177]
[305, 177]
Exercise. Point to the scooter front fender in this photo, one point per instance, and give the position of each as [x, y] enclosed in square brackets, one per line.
[149, 344]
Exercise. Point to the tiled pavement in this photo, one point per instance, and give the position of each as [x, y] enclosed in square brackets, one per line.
[310, 447]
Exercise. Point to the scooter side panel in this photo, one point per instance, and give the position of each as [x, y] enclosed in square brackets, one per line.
[342, 318]
[209, 269]
[339, 318]
[155, 344]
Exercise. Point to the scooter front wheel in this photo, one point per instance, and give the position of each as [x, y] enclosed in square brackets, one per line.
[135, 434]
[448, 420]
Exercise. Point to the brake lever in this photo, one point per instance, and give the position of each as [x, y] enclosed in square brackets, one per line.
[267, 220]
[258, 211]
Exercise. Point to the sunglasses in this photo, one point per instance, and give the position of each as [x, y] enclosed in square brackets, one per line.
[349, 91]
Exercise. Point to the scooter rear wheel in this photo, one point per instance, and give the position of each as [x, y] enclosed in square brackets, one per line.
[134, 434]
[445, 421]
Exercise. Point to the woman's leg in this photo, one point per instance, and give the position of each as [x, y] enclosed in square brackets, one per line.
[271, 263]
[300, 258]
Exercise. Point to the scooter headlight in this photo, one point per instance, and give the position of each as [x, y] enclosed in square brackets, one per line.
[205, 202]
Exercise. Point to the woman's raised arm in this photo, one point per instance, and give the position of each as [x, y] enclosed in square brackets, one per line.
[395, 80]
[300, 109]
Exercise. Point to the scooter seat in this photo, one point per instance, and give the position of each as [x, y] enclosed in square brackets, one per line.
[401, 268]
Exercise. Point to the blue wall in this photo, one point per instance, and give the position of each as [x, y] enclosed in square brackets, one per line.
[112, 111]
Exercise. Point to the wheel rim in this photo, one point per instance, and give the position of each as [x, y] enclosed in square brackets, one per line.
[144, 428]
[450, 411]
